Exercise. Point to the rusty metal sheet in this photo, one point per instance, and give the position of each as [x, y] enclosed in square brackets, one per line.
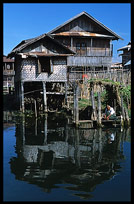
[43, 54]
[81, 33]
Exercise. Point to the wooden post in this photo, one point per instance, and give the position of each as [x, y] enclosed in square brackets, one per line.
[115, 105]
[76, 108]
[23, 128]
[77, 149]
[22, 96]
[36, 124]
[99, 110]
[35, 108]
[122, 111]
[100, 148]
[93, 116]
[45, 129]
[45, 97]
[127, 122]
[66, 102]
[71, 43]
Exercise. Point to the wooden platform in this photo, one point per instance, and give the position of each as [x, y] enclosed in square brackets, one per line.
[112, 123]
[86, 124]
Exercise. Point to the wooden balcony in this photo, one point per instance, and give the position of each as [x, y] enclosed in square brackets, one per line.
[89, 61]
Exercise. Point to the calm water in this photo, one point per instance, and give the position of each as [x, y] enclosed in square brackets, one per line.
[49, 160]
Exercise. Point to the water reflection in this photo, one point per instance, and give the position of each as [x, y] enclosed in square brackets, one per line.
[51, 153]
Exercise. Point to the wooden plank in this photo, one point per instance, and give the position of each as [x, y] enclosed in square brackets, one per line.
[55, 93]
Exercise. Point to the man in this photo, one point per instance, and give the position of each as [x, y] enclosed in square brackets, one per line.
[109, 113]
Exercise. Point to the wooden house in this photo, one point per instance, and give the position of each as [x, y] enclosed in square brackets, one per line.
[44, 65]
[126, 55]
[8, 74]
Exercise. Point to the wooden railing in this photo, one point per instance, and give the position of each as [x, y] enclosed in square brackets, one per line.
[89, 61]
[123, 76]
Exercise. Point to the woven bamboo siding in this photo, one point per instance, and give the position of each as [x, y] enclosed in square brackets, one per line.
[29, 71]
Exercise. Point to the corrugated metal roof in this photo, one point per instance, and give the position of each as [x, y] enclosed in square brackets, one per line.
[90, 17]
[125, 47]
[43, 54]
[84, 34]
[28, 42]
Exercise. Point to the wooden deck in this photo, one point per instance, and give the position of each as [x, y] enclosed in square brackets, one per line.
[86, 124]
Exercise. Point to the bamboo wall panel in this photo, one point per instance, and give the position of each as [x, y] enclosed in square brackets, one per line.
[29, 71]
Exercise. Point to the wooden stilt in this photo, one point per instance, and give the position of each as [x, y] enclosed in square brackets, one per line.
[66, 93]
[115, 105]
[122, 111]
[93, 116]
[99, 109]
[127, 121]
[36, 126]
[45, 97]
[45, 130]
[22, 97]
[35, 108]
[76, 108]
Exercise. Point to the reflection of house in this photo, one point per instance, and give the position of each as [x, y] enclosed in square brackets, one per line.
[8, 74]
[126, 55]
[64, 155]
[46, 63]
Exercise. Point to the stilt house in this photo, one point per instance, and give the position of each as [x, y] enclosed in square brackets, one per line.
[44, 65]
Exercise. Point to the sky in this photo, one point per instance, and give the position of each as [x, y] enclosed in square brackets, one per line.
[22, 21]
